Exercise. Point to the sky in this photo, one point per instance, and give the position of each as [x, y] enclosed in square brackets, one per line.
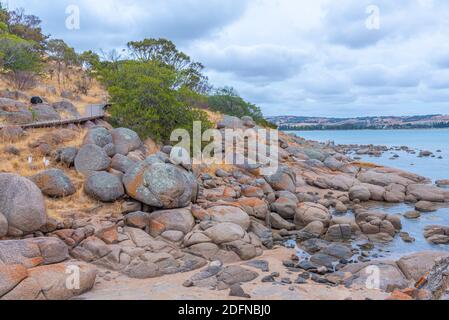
[333, 58]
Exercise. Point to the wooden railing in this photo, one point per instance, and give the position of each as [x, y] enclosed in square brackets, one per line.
[91, 113]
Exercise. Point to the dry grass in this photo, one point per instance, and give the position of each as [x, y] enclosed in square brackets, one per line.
[46, 84]
[78, 204]
[214, 117]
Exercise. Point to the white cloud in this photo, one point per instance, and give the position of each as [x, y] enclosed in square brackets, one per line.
[288, 56]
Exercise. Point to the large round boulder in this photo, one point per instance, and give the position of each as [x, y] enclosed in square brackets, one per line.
[98, 136]
[225, 232]
[283, 179]
[231, 214]
[125, 140]
[160, 185]
[54, 183]
[308, 212]
[171, 220]
[359, 192]
[91, 158]
[22, 203]
[104, 186]
[122, 163]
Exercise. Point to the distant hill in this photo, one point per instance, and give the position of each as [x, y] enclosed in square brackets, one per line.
[382, 122]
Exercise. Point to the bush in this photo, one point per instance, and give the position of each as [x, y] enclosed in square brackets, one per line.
[145, 99]
[227, 101]
[20, 60]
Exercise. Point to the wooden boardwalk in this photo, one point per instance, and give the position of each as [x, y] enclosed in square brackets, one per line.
[91, 113]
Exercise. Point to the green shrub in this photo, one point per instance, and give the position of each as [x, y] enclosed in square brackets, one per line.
[227, 101]
[145, 99]
[20, 60]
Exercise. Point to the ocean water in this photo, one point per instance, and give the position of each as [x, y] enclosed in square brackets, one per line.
[433, 168]
[419, 139]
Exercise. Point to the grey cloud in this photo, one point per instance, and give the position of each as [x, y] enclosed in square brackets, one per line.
[258, 63]
[114, 23]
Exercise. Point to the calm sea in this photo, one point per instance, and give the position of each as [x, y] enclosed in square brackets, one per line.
[419, 139]
[434, 168]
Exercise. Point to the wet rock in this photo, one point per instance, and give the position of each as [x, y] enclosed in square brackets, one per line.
[54, 183]
[412, 215]
[104, 186]
[437, 234]
[442, 183]
[428, 192]
[160, 185]
[406, 237]
[91, 158]
[339, 232]
[425, 153]
[22, 203]
[372, 223]
[341, 208]
[425, 206]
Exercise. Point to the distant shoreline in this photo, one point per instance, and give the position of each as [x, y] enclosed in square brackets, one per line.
[362, 129]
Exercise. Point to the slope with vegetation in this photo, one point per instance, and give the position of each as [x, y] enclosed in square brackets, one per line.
[154, 88]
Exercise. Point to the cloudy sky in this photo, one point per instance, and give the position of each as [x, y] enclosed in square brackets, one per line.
[296, 57]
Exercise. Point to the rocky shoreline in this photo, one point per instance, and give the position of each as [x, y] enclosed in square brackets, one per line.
[211, 224]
